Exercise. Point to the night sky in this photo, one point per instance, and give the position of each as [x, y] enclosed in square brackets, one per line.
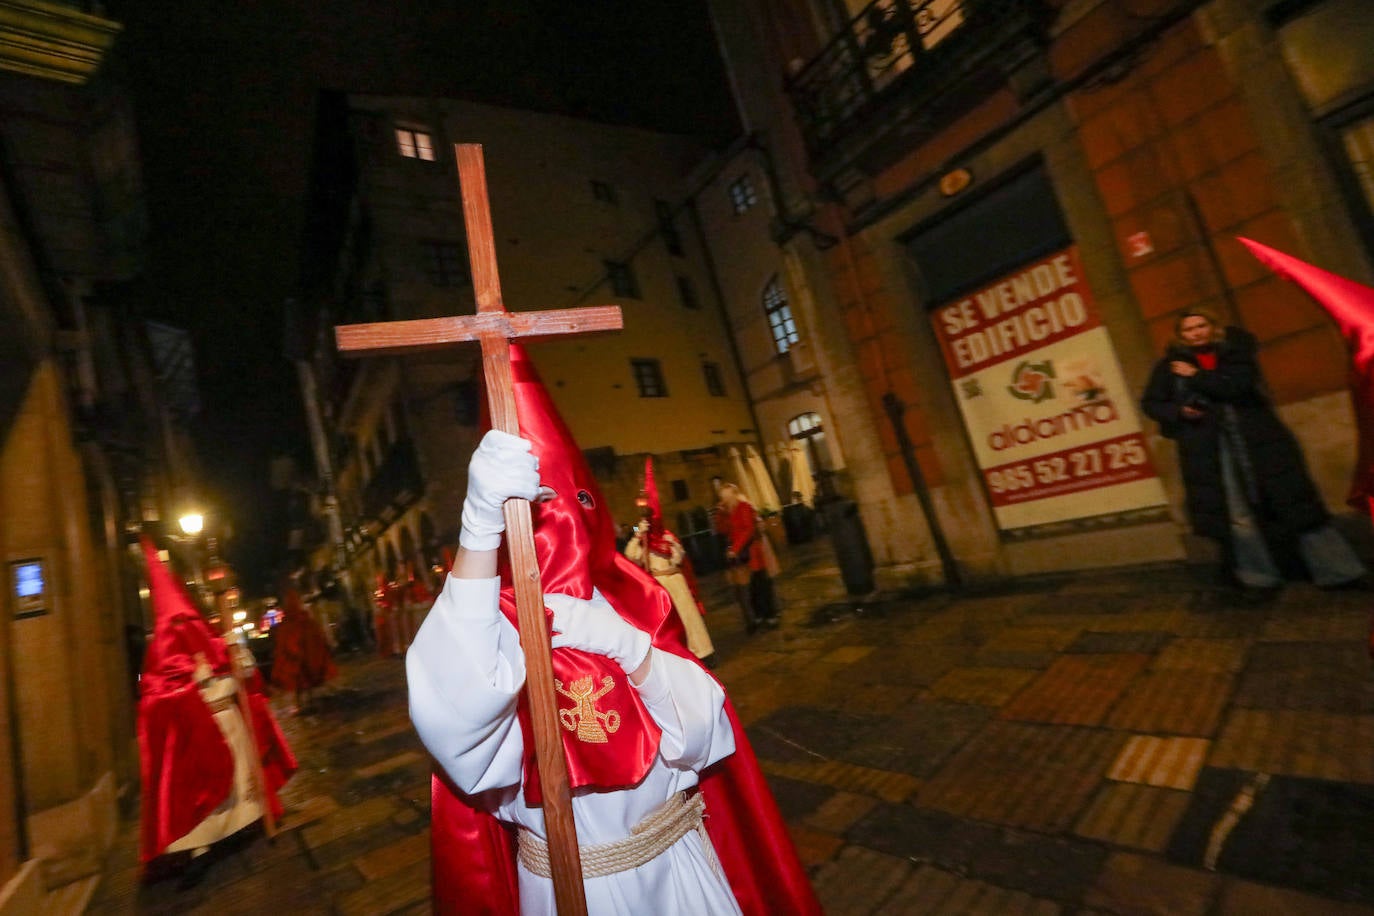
[224, 94]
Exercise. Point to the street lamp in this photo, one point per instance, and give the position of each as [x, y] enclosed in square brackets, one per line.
[192, 523]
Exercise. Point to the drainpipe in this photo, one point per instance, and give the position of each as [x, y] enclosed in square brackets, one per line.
[895, 410]
[718, 293]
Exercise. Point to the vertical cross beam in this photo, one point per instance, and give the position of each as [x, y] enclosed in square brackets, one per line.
[493, 327]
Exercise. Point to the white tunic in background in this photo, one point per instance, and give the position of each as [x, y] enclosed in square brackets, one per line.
[698, 638]
[465, 671]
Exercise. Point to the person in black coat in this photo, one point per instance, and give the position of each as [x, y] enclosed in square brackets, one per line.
[1246, 481]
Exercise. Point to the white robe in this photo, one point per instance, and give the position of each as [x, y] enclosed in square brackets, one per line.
[242, 806]
[698, 638]
[465, 671]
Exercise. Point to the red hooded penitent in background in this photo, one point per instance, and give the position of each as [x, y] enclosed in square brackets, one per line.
[187, 767]
[301, 659]
[658, 542]
[473, 853]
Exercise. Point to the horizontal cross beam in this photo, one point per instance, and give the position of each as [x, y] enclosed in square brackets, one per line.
[391, 337]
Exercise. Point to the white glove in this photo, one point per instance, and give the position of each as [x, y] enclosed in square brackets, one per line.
[501, 468]
[594, 626]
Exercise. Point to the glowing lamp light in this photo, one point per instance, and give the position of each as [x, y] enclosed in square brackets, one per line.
[192, 523]
[240, 616]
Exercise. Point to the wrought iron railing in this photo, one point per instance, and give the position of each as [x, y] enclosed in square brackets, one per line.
[896, 46]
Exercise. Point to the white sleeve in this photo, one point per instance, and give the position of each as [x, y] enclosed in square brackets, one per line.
[676, 547]
[465, 671]
[689, 705]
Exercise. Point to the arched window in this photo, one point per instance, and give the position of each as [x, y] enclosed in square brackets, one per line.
[804, 424]
[779, 316]
[806, 428]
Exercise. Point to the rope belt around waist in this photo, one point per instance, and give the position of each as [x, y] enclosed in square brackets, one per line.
[663, 827]
[223, 703]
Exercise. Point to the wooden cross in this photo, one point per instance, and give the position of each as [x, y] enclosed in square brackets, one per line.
[494, 327]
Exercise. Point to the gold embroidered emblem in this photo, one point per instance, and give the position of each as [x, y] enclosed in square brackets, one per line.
[585, 719]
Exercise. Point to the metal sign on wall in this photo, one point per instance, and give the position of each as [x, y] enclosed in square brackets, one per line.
[29, 587]
[1047, 409]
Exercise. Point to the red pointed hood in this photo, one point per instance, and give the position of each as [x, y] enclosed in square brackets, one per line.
[1351, 306]
[179, 630]
[574, 534]
[651, 493]
[657, 542]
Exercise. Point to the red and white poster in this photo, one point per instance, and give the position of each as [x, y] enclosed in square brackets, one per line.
[1052, 421]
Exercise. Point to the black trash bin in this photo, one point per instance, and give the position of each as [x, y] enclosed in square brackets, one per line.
[799, 522]
[705, 550]
[852, 553]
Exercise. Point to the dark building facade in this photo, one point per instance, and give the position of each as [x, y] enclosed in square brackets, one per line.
[1014, 200]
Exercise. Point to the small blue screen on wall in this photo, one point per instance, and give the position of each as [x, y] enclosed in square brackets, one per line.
[28, 579]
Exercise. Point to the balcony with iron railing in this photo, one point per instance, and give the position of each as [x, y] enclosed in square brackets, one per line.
[902, 70]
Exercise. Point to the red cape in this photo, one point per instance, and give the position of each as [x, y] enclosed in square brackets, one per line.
[186, 765]
[474, 854]
[301, 658]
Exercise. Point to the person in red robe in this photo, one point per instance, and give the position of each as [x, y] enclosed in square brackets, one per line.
[746, 556]
[474, 854]
[386, 600]
[301, 660]
[200, 779]
[416, 600]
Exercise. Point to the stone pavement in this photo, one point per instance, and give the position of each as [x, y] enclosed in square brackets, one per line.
[1127, 741]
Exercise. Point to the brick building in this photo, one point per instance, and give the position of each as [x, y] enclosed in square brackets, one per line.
[999, 207]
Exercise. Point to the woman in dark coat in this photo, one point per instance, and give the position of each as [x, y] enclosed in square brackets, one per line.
[1247, 484]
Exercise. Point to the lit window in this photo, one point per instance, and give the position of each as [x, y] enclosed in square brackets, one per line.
[622, 277]
[715, 386]
[603, 192]
[445, 264]
[742, 194]
[415, 144]
[649, 378]
[688, 293]
[779, 316]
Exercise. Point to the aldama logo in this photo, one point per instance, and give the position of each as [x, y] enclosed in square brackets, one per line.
[1083, 416]
[1032, 381]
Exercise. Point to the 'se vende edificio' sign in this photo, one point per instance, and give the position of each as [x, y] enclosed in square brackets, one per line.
[1049, 414]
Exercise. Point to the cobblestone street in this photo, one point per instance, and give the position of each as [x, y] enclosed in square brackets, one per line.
[1064, 744]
